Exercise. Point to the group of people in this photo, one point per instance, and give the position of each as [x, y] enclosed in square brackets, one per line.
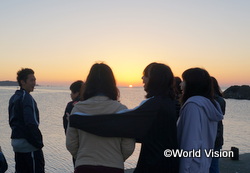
[101, 132]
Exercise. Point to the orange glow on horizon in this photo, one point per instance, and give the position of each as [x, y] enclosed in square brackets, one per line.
[124, 77]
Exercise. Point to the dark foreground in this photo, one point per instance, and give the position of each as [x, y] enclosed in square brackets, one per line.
[232, 166]
[229, 166]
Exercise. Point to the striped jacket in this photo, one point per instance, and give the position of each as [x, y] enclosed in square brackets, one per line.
[24, 118]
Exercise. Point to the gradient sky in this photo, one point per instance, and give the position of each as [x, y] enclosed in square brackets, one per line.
[62, 39]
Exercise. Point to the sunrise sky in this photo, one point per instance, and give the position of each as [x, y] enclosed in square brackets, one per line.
[62, 39]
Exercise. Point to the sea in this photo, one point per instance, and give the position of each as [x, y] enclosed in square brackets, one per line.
[52, 100]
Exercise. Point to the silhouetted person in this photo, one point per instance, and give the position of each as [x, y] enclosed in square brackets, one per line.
[152, 123]
[93, 153]
[26, 138]
[214, 168]
[75, 88]
[199, 117]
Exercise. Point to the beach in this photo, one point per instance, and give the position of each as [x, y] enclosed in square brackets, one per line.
[229, 166]
[236, 166]
[52, 101]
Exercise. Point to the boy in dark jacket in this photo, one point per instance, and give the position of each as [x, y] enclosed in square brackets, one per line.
[26, 138]
[75, 88]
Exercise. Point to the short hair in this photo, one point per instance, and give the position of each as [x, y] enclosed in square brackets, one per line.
[76, 86]
[197, 83]
[100, 81]
[23, 75]
[161, 80]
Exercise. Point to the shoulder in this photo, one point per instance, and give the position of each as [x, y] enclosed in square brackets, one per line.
[122, 106]
[197, 100]
[220, 99]
[20, 95]
[153, 101]
[119, 106]
[190, 108]
[71, 103]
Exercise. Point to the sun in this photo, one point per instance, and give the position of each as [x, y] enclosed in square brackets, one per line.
[130, 86]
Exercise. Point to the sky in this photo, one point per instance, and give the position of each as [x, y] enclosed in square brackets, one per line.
[61, 39]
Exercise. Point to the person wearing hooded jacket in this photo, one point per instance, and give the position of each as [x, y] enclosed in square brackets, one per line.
[95, 153]
[197, 124]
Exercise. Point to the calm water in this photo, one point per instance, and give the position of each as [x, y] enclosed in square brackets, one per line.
[52, 101]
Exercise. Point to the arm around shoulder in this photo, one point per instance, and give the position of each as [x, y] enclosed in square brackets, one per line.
[127, 144]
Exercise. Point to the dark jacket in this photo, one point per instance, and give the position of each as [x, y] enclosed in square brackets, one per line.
[153, 124]
[162, 135]
[219, 141]
[68, 110]
[3, 163]
[24, 118]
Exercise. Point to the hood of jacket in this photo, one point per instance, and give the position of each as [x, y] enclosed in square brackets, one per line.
[97, 105]
[213, 112]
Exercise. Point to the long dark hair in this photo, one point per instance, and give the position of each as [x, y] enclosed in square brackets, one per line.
[197, 83]
[216, 87]
[161, 80]
[100, 81]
